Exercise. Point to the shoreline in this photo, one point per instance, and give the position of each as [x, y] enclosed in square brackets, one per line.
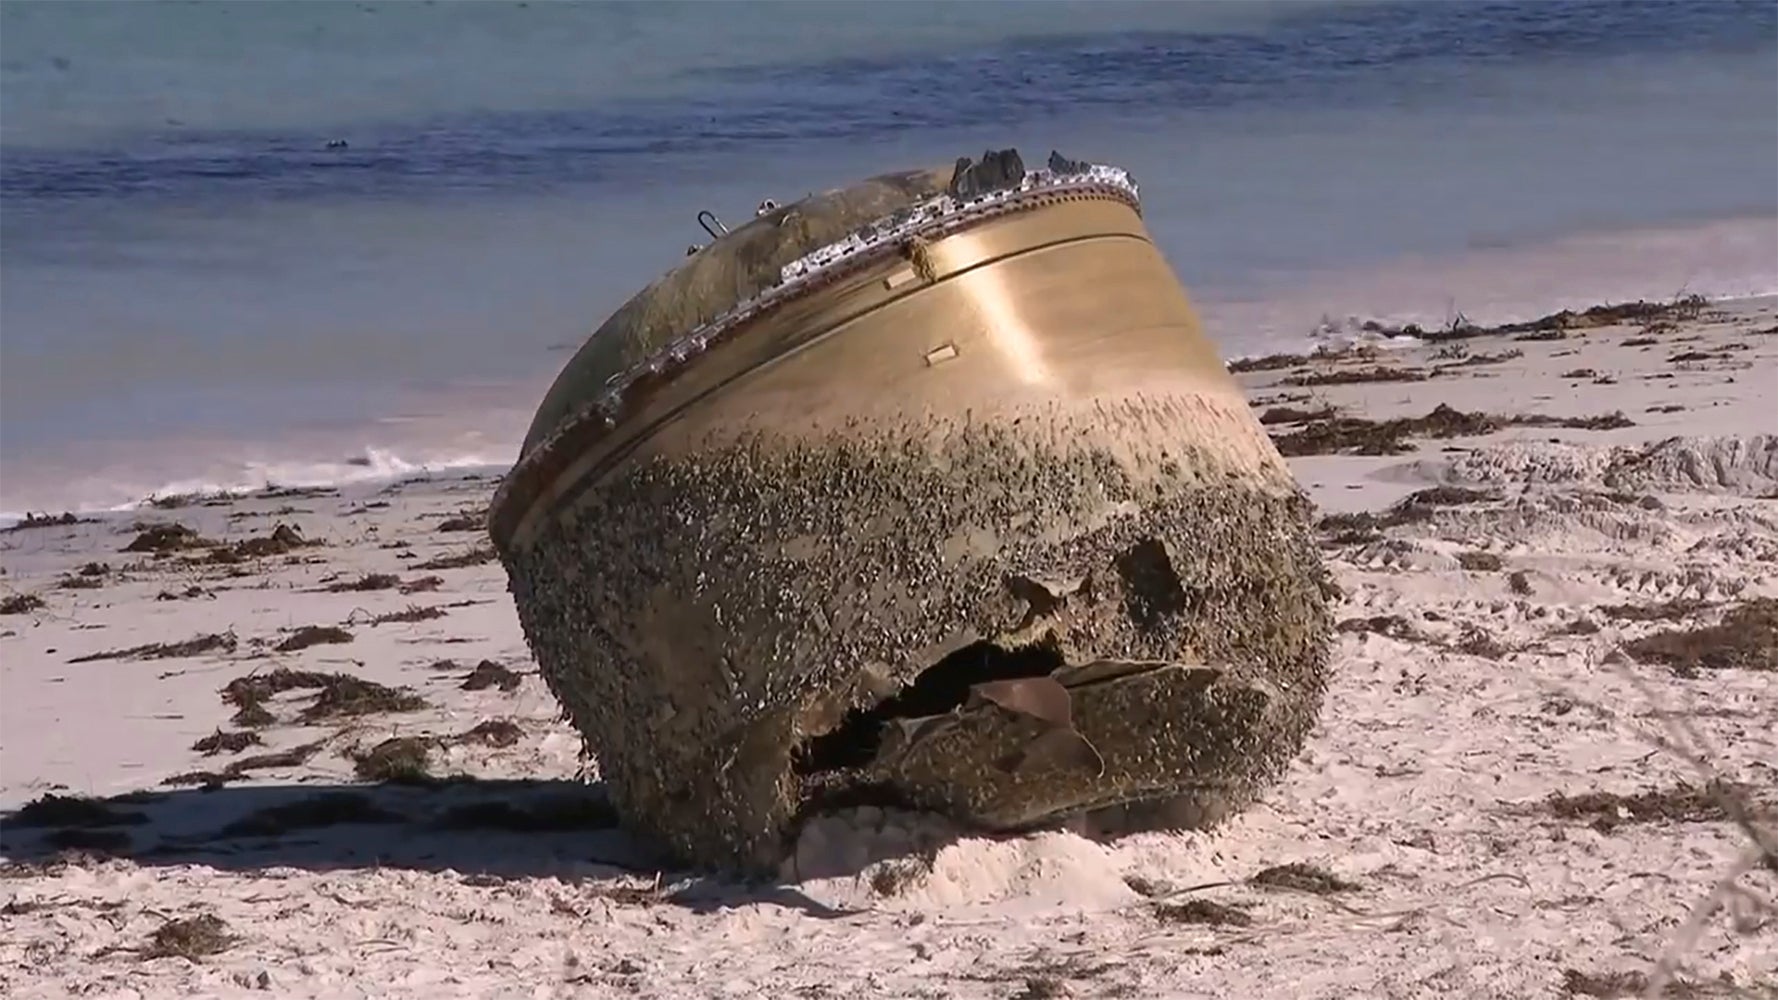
[1485, 807]
[311, 462]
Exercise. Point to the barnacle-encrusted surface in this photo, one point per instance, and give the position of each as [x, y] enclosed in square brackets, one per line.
[704, 612]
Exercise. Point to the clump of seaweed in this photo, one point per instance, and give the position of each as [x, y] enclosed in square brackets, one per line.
[1203, 911]
[1270, 362]
[294, 757]
[1476, 642]
[1472, 360]
[497, 733]
[400, 759]
[408, 615]
[1294, 415]
[422, 585]
[195, 646]
[313, 635]
[1556, 325]
[1355, 376]
[73, 811]
[367, 582]
[1663, 611]
[1479, 562]
[489, 674]
[314, 812]
[338, 695]
[221, 742]
[19, 604]
[344, 696]
[283, 540]
[461, 560]
[1683, 803]
[1301, 877]
[42, 520]
[163, 538]
[462, 522]
[1363, 436]
[192, 938]
[1746, 639]
[1392, 626]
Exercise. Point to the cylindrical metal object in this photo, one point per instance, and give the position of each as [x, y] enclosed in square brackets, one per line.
[928, 491]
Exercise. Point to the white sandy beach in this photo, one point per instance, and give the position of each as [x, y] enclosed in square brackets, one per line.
[1487, 661]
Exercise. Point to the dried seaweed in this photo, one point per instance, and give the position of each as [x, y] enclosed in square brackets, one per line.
[73, 811]
[489, 674]
[1303, 878]
[313, 635]
[1683, 803]
[191, 939]
[18, 604]
[1747, 639]
[462, 560]
[195, 646]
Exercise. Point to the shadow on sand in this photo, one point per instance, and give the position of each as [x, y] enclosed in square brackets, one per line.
[488, 831]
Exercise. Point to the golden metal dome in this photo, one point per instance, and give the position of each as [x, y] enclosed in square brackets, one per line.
[927, 491]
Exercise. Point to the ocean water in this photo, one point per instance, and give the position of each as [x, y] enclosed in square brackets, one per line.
[196, 291]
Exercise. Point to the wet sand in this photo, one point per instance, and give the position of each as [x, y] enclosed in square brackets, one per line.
[1492, 804]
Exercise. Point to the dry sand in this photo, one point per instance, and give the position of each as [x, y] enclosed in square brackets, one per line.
[1488, 663]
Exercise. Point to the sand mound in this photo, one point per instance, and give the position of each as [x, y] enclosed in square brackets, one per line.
[871, 857]
[1737, 465]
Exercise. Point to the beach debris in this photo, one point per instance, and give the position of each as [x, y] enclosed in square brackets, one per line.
[19, 604]
[1363, 436]
[35, 520]
[497, 733]
[221, 742]
[461, 560]
[336, 695]
[167, 537]
[1203, 911]
[224, 642]
[1301, 877]
[462, 522]
[408, 615]
[313, 635]
[190, 938]
[1745, 639]
[1004, 613]
[1681, 803]
[1356, 376]
[1480, 562]
[1293, 415]
[422, 585]
[293, 757]
[400, 759]
[365, 583]
[489, 674]
[282, 540]
[73, 811]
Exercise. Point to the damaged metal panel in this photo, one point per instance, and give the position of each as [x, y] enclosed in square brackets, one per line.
[784, 559]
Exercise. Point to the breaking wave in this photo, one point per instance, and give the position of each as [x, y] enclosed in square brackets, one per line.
[372, 466]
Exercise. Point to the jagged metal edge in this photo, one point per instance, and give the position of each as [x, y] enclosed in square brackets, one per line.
[930, 216]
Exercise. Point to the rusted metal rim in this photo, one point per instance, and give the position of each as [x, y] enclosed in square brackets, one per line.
[631, 390]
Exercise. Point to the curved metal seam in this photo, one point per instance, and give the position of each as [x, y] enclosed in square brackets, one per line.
[642, 434]
[1100, 183]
